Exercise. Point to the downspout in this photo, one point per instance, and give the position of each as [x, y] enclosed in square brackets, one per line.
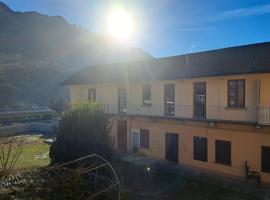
[130, 134]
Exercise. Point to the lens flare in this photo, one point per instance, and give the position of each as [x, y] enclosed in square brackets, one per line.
[120, 25]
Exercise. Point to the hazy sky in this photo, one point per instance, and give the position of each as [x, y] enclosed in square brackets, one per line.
[164, 27]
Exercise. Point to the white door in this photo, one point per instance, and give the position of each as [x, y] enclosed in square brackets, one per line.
[135, 141]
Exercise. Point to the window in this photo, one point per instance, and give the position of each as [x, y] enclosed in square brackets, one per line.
[236, 93]
[265, 159]
[169, 99]
[144, 138]
[147, 95]
[122, 100]
[199, 100]
[91, 94]
[223, 152]
[200, 148]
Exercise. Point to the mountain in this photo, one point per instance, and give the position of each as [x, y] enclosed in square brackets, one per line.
[38, 52]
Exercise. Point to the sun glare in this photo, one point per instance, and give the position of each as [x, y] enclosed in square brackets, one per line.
[120, 25]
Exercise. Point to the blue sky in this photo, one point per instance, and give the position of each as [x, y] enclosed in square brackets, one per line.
[165, 28]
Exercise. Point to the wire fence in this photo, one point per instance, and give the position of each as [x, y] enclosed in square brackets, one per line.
[33, 127]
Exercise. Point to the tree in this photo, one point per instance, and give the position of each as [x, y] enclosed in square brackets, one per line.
[83, 130]
[11, 149]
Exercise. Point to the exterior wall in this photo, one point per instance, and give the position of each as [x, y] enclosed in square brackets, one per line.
[264, 89]
[75, 93]
[157, 97]
[216, 97]
[216, 94]
[264, 110]
[107, 94]
[246, 145]
[246, 139]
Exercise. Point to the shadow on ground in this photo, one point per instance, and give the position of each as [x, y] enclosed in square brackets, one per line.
[143, 182]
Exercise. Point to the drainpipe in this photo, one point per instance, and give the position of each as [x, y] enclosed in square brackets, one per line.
[130, 133]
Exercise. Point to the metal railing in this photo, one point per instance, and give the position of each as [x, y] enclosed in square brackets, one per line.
[264, 115]
[249, 114]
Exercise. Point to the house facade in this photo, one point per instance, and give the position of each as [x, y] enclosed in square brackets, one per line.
[207, 110]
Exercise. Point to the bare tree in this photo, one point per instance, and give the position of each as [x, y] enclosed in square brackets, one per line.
[10, 151]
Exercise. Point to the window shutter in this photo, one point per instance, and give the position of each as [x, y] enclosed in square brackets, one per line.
[223, 152]
[200, 148]
[144, 138]
[265, 159]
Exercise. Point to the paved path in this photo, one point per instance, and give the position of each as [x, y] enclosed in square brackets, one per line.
[181, 170]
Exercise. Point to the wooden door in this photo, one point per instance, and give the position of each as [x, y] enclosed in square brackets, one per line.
[172, 147]
[122, 135]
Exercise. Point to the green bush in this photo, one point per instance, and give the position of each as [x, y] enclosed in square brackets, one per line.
[83, 130]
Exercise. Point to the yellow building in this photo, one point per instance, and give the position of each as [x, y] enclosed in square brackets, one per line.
[207, 110]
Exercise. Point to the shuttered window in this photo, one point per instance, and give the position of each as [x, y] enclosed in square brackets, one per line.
[92, 94]
[200, 148]
[169, 97]
[236, 93]
[147, 95]
[223, 152]
[122, 100]
[144, 138]
[265, 159]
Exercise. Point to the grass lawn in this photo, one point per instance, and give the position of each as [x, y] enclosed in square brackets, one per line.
[35, 152]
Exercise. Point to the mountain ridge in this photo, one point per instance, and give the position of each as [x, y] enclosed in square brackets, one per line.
[30, 39]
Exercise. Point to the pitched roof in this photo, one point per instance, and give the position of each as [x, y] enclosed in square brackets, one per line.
[247, 59]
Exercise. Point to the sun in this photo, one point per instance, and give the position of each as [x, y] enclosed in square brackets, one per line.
[120, 25]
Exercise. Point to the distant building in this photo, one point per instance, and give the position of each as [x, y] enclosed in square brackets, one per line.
[211, 112]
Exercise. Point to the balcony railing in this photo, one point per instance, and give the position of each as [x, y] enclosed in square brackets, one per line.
[264, 115]
[249, 114]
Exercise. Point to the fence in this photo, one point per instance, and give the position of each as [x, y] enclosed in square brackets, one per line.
[37, 127]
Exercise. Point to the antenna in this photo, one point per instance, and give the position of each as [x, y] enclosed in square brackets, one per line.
[187, 59]
[187, 55]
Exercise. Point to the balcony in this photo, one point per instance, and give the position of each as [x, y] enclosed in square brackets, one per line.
[248, 114]
[264, 115]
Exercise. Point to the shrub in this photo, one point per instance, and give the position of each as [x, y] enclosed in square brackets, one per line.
[83, 130]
